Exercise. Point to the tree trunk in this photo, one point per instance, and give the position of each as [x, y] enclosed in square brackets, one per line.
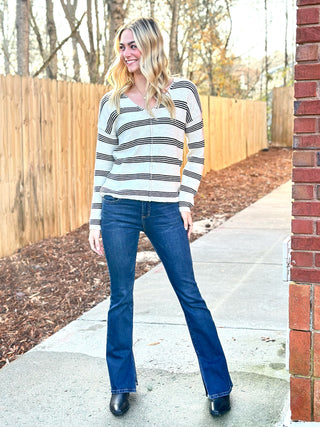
[52, 69]
[5, 40]
[286, 48]
[76, 62]
[266, 63]
[22, 26]
[174, 59]
[116, 18]
[152, 2]
[93, 72]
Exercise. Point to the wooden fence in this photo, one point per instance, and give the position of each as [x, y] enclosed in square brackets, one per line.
[282, 117]
[47, 150]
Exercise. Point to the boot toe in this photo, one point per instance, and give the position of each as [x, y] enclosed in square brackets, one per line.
[119, 403]
[220, 405]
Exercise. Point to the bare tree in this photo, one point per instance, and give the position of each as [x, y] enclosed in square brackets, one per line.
[52, 69]
[72, 8]
[117, 12]
[88, 55]
[152, 5]
[22, 26]
[228, 4]
[6, 36]
[35, 27]
[286, 48]
[266, 45]
[52, 55]
[174, 57]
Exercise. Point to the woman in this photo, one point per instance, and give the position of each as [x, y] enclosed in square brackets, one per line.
[141, 129]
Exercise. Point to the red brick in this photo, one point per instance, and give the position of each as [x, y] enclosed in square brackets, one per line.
[304, 175]
[306, 209]
[300, 399]
[317, 260]
[299, 307]
[316, 355]
[303, 108]
[307, 71]
[305, 275]
[302, 226]
[302, 259]
[308, 16]
[318, 192]
[302, 192]
[317, 227]
[316, 401]
[300, 352]
[303, 158]
[308, 34]
[305, 125]
[316, 308]
[305, 89]
[311, 142]
[306, 2]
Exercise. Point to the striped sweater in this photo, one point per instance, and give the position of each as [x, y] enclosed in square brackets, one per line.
[139, 156]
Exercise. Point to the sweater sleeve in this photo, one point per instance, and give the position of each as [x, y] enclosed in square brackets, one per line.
[106, 143]
[192, 171]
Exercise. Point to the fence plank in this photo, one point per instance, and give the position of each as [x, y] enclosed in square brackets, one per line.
[282, 117]
[206, 122]
[48, 105]
[48, 138]
[4, 170]
[79, 142]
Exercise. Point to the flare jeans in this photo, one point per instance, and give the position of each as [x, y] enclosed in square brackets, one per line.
[121, 223]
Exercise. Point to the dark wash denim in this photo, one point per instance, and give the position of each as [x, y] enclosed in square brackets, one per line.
[121, 222]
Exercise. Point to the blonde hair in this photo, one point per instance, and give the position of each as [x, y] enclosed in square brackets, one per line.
[153, 65]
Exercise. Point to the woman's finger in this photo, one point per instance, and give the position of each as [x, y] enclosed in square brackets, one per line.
[94, 240]
[187, 222]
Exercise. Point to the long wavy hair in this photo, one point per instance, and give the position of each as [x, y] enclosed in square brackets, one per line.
[153, 65]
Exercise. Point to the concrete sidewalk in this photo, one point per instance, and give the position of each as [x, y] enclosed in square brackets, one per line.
[63, 381]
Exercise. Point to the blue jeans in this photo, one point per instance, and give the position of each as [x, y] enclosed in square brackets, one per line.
[121, 223]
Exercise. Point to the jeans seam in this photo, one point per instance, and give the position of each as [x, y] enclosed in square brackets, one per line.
[123, 390]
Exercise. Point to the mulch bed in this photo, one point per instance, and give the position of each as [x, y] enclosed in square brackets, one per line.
[46, 285]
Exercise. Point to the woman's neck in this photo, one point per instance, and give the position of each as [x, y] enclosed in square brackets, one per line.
[141, 83]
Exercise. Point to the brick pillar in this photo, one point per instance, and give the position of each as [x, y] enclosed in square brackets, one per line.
[304, 291]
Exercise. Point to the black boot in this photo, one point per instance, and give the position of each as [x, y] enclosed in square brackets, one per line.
[220, 405]
[119, 403]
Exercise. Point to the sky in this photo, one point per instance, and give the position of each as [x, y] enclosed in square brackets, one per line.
[248, 27]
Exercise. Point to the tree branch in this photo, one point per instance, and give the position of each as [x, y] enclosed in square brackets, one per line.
[36, 30]
[72, 26]
[230, 20]
[45, 64]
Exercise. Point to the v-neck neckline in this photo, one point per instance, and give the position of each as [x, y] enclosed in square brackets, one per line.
[143, 108]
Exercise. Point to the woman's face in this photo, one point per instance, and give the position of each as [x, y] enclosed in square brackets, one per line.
[129, 53]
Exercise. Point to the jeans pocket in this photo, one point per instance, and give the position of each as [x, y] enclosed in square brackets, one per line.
[110, 199]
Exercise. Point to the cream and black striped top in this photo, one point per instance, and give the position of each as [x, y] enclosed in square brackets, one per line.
[139, 156]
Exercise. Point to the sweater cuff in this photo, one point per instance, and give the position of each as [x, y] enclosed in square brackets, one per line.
[184, 209]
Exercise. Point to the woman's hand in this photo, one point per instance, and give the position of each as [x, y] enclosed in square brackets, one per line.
[187, 222]
[95, 244]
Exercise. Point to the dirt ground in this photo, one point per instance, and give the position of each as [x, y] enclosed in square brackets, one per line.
[48, 284]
